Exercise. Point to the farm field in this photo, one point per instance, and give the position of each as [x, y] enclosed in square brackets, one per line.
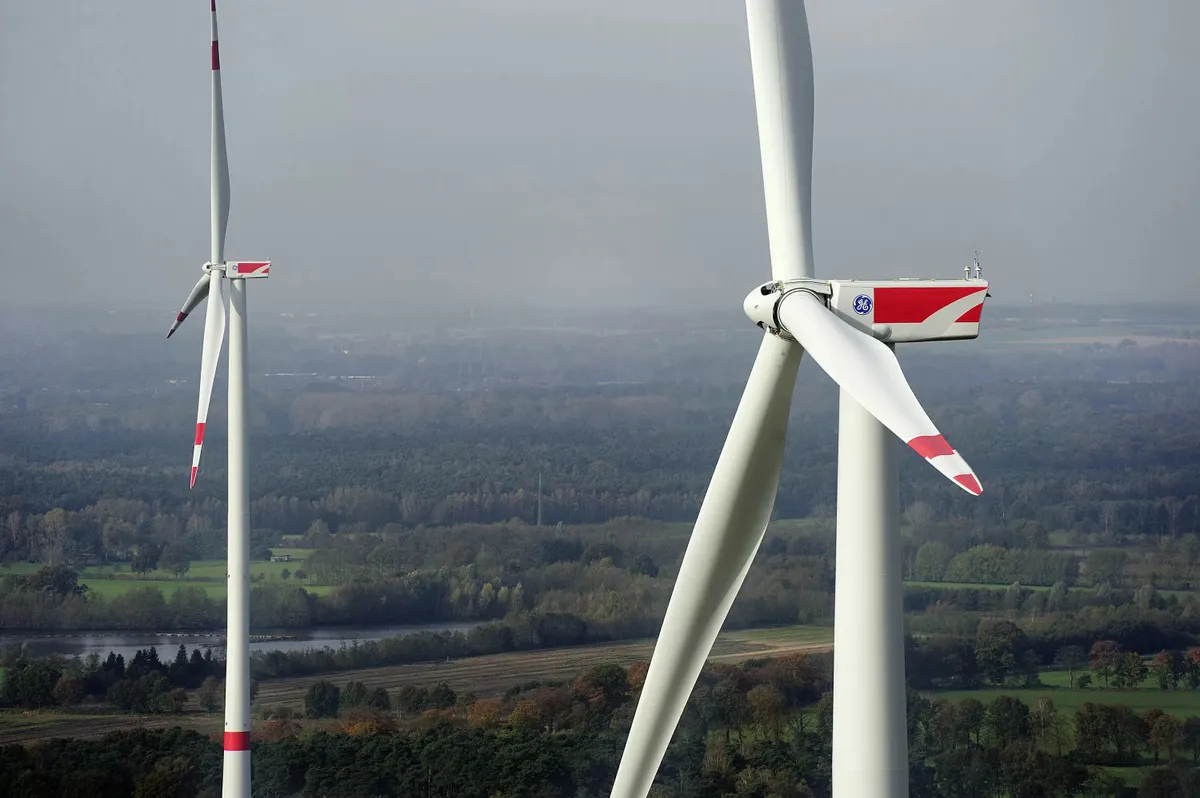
[485, 676]
[1035, 588]
[494, 673]
[113, 580]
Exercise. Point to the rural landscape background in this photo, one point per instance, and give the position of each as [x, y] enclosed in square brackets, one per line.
[1054, 623]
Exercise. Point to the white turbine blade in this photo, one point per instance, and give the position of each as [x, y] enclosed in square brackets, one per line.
[194, 298]
[214, 336]
[219, 194]
[726, 537]
[781, 61]
[867, 369]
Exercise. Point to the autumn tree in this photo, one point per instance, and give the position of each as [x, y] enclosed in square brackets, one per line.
[1165, 669]
[1104, 656]
[1165, 734]
[68, 691]
[485, 713]
[636, 675]
[767, 707]
[525, 715]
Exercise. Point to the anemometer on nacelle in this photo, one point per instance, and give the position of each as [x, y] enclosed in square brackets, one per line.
[904, 310]
[241, 269]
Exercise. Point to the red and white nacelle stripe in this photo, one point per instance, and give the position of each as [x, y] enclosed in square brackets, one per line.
[906, 311]
[247, 268]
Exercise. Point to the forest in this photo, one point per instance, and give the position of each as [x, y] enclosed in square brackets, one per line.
[538, 483]
[762, 728]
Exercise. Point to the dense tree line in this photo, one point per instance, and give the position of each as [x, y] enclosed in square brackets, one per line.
[144, 684]
[759, 728]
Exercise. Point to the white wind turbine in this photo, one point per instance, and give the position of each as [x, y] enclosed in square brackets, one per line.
[848, 327]
[236, 773]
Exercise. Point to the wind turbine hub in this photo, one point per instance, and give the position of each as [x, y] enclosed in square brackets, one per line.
[762, 304]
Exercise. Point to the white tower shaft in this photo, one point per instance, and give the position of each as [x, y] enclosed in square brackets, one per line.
[236, 775]
[870, 728]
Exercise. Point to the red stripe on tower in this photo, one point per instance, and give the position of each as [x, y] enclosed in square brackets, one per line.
[214, 6]
[237, 741]
[216, 57]
[914, 304]
[931, 446]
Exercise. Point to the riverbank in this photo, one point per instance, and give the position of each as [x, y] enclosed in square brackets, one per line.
[70, 644]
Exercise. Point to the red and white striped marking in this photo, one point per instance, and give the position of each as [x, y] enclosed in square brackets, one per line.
[912, 310]
[905, 305]
[216, 54]
[942, 456]
[178, 320]
[251, 268]
[237, 741]
[196, 446]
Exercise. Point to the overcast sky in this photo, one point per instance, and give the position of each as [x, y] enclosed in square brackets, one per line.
[592, 151]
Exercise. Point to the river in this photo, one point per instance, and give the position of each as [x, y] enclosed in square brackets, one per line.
[127, 643]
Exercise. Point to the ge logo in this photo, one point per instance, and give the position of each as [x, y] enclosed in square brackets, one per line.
[862, 304]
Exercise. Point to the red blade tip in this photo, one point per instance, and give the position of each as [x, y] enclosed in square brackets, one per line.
[969, 482]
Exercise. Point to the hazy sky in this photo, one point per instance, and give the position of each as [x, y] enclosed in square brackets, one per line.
[457, 152]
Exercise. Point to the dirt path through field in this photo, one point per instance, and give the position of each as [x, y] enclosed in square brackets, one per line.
[488, 675]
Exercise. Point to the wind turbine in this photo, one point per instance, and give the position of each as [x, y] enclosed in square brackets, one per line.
[236, 774]
[849, 327]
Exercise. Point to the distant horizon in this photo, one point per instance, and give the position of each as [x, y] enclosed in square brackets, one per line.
[275, 306]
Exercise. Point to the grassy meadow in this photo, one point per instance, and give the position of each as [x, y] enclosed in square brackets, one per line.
[1180, 703]
[110, 580]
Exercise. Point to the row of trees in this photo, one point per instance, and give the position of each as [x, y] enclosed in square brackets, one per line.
[144, 684]
[742, 734]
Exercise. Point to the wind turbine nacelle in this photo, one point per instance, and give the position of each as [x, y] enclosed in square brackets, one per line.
[241, 269]
[909, 310]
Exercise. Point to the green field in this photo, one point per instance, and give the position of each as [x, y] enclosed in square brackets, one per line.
[1180, 703]
[986, 586]
[115, 579]
[785, 635]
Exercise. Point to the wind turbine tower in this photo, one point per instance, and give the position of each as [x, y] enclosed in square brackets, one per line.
[850, 328]
[236, 772]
